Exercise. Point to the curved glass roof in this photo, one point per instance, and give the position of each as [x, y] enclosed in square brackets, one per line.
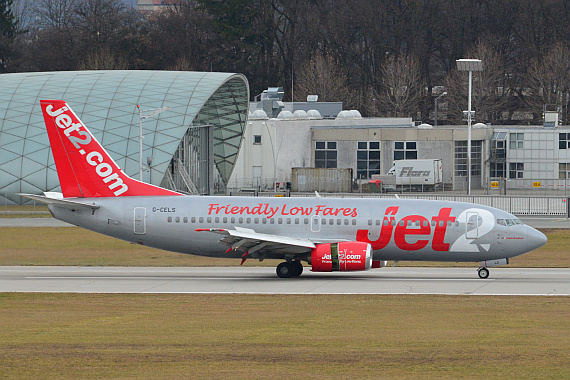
[106, 101]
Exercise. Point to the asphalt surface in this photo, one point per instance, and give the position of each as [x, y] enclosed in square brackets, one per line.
[263, 280]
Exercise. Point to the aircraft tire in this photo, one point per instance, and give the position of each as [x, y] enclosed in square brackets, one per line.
[483, 272]
[284, 270]
[297, 268]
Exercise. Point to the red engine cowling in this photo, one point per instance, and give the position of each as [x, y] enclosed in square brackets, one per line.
[343, 257]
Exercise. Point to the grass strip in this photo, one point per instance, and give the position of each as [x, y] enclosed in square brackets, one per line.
[84, 336]
[76, 246]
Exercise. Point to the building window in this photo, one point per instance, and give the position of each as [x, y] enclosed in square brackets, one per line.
[325, 154]
[563, 142]
[405, 150]
[516, 170]
[498, 169]
[257, 139]
[461, 158]
[564, 170]
[367, 159]
[516, 140]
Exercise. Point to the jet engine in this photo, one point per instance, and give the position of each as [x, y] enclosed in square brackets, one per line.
[342, 256]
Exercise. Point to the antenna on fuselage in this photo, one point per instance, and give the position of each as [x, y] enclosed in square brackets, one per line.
[317, 194]
[397, 196]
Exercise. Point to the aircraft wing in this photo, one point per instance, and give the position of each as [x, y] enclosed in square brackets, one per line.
[256, 245]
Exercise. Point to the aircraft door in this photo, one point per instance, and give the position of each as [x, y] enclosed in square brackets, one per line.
[316, 223]
[472, 225]
[140, 220]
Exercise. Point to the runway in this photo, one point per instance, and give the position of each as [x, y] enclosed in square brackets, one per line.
[263, 280]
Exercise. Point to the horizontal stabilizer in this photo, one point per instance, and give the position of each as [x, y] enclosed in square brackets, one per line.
[64, 203]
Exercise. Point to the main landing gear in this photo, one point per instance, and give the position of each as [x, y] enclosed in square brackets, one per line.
[483, 272]
[289, 269]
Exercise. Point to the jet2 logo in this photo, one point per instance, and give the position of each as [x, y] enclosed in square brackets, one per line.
[81, 139]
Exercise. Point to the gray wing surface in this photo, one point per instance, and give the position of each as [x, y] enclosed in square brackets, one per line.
[256, 245]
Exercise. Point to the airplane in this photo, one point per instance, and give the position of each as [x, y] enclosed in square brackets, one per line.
[329, 234]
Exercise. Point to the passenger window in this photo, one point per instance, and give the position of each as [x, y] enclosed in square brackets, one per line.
[306, 221]
[354, 222]
[338, 222]
[185, 219]
[331, 221]
[377, 222]
[441, 223]
[426, 223]
[169, 219]
[346, 222]
[393, 222]
[385, 222]
[209, 220]
[201, 220]
[401, 222]
[256, 220]
[280, 220]
[272, 221]
[369, 222]
[263, 221]
[449, 223]
[315, 221]
[288, 220]
[296, 220]
[433, 223]
[323, 221]
[177, 219]
[409, 223]
[240, 220]
[217, 220]
[456, 223]
[233, 220]
[225, 220]
[193, 220]
[248, 220]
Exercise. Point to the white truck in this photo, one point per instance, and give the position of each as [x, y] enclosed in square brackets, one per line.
[412, 174]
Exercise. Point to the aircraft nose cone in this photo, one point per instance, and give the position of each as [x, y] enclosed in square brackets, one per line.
[535, 238]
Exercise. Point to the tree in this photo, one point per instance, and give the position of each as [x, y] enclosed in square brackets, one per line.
[322, 76]
[401, 87]
[548, 81]
[8, 31]
[491, 92]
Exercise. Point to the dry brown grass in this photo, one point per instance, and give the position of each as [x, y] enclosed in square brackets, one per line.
[76, 246]
[283, 336]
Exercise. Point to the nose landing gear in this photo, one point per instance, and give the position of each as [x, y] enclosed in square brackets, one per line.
[483, 272]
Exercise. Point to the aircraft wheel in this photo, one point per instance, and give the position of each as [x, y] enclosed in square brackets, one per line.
[483, 272]
[297, 268]
[284, 270]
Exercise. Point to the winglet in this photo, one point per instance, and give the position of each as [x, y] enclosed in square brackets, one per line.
[84, 168]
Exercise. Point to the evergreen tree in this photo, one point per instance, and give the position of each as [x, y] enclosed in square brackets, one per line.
[8, 30]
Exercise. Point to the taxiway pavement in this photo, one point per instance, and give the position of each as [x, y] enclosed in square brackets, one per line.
[263, 280]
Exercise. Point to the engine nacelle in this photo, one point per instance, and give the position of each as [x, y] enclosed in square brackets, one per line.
[344, 256]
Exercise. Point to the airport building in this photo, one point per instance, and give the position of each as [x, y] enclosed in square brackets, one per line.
[281, 136]
[190, 146]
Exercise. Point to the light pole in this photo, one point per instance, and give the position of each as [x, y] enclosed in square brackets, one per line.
[435, 114]
[154, 111]
[469, 65]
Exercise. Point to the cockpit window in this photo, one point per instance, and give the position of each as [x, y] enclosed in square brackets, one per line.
[509, 222]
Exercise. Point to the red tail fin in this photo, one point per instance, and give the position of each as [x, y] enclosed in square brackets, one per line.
[83, 166]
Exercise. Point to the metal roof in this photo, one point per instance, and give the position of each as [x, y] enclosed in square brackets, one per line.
[106, 101]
